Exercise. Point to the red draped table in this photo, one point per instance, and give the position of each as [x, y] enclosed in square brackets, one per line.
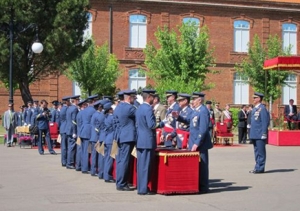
[173, 172]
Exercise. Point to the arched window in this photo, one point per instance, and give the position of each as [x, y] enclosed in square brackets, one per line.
[137, 79]
[87, 33]
[196, 21]
[241, 36]
[241, 89]
[289, 37]
[138, 31]
[289, 91]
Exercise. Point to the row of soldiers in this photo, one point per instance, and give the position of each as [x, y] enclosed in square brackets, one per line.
[99, 123]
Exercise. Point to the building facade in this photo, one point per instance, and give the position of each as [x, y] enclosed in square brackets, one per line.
[128, 25]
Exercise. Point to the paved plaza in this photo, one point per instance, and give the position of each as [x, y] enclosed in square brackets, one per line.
[32, 182]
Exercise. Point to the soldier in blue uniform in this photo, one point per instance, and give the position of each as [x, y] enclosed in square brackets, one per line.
[146, 141]
[55, 112]
[43, 118]
[81, 106]
[20, 116]
[85, 133]
[212, 117]
[199, 139]
[124, 116]
[185, 112]
[97, 121]
[62, 130]
[71, 131]
[108, 141]
[169, 120]
[260, 120]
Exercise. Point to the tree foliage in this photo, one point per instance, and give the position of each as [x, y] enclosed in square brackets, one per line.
[60, 29]
[96, 71]
[267, 82]
[181, 62]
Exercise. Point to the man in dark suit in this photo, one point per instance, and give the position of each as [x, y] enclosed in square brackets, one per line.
[290, 113]
[242, 125]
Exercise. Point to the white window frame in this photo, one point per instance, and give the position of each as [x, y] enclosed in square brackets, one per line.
[141, 39]
[141, 76]
[242, 83]
[289, 91]
[241, 27]
[289, 30]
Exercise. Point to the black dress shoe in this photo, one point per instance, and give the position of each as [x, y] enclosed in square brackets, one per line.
[126, 188]
[110, 181]
[70, 167]
[256, 172]
[203, 191]
[94, 175]
[53, 153]
[78, 169]
[148, 193]
[85, 172]
[63, 165]
[42, 153]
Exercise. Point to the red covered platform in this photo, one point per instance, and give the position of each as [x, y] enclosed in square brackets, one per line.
[174, 172]
[284, 137]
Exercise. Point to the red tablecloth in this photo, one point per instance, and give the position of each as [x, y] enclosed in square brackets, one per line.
[173, 172]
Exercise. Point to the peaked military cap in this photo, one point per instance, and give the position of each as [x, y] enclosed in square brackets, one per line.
[106, 97]
[183, 96]
[35, 101]
[198, 94]
[55, 102]
[208, 102]
[96, 103]
[129, 92]
[120, 93]
[257, 94]
[171, 92]
[66, 98]
[93, 97]
[76, 97]
[103, 102]
[149, 91]
[82, 102]
[107, 106]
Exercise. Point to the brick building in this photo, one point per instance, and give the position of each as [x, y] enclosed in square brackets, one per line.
[127, 25]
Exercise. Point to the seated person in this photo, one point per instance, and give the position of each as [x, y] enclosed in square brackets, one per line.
[290, 113]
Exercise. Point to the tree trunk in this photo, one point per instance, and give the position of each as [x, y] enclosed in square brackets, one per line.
[270, 111]
[25, 91]
[89, 92]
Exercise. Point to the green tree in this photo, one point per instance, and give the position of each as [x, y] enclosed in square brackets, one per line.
[60, 28]
[96, 71]
[181, 62]
[267, 82]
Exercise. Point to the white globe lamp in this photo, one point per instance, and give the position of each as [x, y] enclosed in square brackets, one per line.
[37, 47]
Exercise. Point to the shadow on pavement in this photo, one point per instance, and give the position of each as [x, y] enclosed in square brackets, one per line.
[217, 186]
[280, 170]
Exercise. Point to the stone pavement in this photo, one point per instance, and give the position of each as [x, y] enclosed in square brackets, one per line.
[32, 182]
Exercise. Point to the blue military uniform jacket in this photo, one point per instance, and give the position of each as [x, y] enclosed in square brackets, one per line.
[185, 113]
[146, 125]
[20, 118]
[97, 130]
[86, 128]
[55, 116]
[124, 116]
[43, 119]
[36, 111]
[199, 128]
[109, 129]
[71, 125]
[63, 119]
[79, 123]
[29, 114]
[260, 120]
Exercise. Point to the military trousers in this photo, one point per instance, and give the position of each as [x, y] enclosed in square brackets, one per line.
[144, 158]
[84, 154]
[123, 159]
[204, 171]
[46, 132]
[101, 164]
[71, 151]
[78, 157]
[259, 154]
[108, 162]
[64, 148]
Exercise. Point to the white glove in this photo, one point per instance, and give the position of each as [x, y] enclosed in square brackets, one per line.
[263, 137]
[74, 135]
[248, 126]
[29, 125]
[25, 124]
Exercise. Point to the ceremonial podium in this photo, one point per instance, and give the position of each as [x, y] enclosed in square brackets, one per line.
[173, 172]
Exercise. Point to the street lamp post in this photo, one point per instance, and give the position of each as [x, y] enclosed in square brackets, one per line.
[36, 47]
